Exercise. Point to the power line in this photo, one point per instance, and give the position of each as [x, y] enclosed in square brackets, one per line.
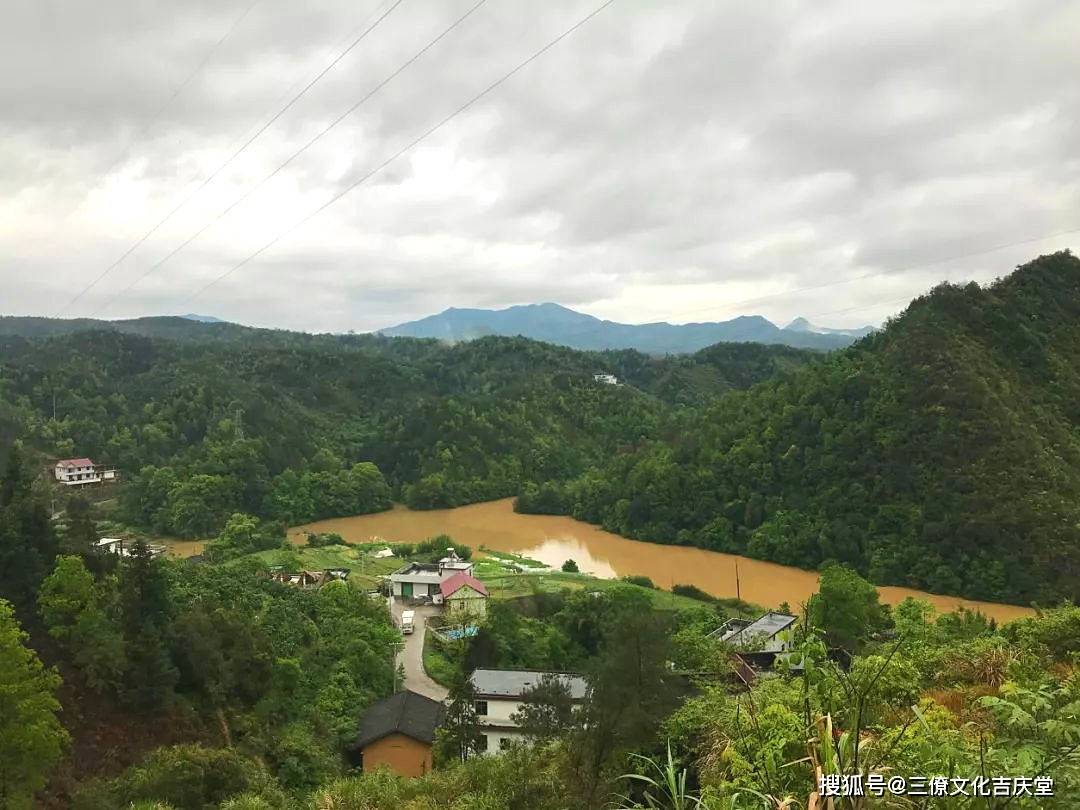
[183, 85]
[408, 147]
[408, 63]
[235, 155]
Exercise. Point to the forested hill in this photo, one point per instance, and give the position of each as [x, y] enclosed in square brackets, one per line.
[942, 452]
[220, 418]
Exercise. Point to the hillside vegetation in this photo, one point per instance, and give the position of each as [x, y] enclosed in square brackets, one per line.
[942, 452]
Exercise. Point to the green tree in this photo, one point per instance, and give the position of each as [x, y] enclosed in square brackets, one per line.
[570, 567]
[547, 710]
[459, 737]
[846, 608]
[145, 613]
[32, 738]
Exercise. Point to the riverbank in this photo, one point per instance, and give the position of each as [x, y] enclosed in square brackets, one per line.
[552, 539]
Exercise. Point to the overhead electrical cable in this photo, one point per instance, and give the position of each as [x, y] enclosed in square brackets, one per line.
[182, 86]
[407, 148]
[401, 69]
[233, 157]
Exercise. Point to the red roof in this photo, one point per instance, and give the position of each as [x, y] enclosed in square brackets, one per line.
[74, 462]
[459, 581]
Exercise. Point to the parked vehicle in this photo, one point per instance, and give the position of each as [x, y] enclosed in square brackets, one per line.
[407, 621]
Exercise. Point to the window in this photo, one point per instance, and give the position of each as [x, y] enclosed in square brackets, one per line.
[481, 708]
[504, 743]
[482, 743]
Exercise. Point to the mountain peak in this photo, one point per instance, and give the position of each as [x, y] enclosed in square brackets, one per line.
[555, 323]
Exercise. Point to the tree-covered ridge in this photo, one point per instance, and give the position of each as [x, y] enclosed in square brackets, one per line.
[274, 423]
[942, 452]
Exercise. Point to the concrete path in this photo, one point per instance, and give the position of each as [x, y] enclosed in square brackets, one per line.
[416, 679]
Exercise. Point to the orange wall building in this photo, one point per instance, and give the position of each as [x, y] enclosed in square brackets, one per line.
[397, 733]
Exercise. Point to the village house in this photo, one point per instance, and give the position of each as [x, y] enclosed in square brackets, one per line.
[757, 644]
[422, 580]
[464, 596]
[500, 694]
[606, 379]
[768, 634]
[397, 733]
[80, 471]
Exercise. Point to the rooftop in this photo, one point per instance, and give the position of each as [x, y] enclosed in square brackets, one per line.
[513, 683]
[459, 581]
[405, 713]
[74, 462]
[764, 627]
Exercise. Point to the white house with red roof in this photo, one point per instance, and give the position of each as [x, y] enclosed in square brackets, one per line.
[464, 595]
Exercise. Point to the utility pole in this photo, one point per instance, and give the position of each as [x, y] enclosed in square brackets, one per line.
[240, 424]
[393, 660]
[738, 591]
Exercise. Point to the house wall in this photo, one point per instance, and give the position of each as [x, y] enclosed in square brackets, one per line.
[499, 711]
[467, 601]
[420, 587]
[496, 725]
[403, 755]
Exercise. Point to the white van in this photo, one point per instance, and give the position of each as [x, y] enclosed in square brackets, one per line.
[407, 621]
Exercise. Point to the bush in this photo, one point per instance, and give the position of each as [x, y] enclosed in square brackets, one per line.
[692, 592]
[185, 777]
[640, 580]
[325, 539]
[570, 567]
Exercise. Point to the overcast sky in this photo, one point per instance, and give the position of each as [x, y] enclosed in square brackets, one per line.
[679, 161]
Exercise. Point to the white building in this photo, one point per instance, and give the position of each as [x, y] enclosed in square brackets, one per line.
[500, 694]
[422, 580]
[607, 379]
[79, 471]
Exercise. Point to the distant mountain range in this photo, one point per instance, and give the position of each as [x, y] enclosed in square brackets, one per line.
[558, 324]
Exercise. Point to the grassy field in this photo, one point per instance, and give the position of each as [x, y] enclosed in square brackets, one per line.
[508, 585]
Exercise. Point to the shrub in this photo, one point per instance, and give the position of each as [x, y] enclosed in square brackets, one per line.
[639, 580]
[692, 592]
[570, 567]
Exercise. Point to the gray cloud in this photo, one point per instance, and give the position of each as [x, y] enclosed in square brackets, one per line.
[665, 159]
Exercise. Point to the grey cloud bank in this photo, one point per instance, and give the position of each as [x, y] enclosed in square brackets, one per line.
[665, 159]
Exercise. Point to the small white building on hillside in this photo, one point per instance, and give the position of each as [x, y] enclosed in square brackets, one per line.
[500, 694]
[79, 471]
[422, 580]
[606, 379]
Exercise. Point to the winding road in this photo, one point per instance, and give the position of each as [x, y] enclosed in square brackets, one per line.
[412, 657]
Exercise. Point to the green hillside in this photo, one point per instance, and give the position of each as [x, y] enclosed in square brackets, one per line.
[218, 418]
[942, 452]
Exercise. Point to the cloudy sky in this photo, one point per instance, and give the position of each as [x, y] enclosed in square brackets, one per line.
[678, 161]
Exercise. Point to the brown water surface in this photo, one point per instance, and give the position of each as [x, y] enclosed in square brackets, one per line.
[553, 540]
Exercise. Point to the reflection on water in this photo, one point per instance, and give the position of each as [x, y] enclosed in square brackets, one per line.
[553, 540]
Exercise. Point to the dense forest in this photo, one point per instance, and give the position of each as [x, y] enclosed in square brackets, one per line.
[941, 452]
[273, 423]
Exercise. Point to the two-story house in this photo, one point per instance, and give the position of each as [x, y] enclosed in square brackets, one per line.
[500, 693]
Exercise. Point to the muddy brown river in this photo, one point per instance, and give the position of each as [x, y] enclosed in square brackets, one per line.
[553, 540]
